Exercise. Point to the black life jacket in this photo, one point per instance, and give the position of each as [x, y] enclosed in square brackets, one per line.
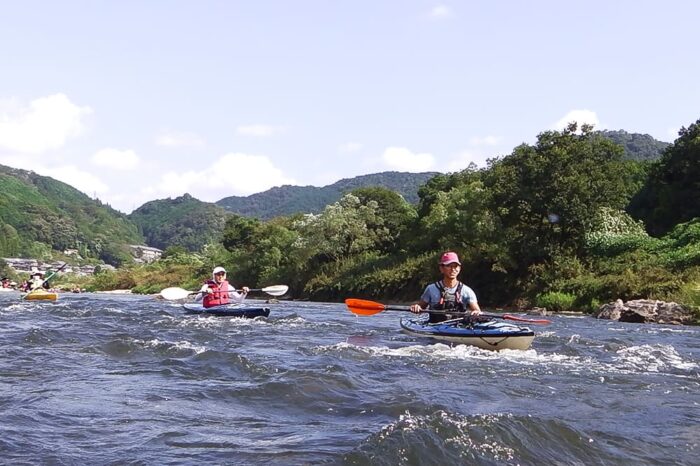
[449, 301]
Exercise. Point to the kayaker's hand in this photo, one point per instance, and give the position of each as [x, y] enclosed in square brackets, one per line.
[245, 289]
[205, 289]
[476, 312]
[416, 309]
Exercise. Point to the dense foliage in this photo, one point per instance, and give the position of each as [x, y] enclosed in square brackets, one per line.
[39, 215]
[183, 221]
[288, 200]
[671, 194]
[568, 222]
[543, 225]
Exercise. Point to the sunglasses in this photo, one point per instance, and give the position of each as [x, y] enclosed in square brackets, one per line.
[220, 273]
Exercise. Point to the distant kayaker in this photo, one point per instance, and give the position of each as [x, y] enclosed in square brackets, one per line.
[218, 291]
[37, 281]
[448, 293]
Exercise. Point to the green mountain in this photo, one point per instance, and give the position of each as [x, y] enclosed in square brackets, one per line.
[640, 147]
[183, 221]
[39, 215]
[287, 200]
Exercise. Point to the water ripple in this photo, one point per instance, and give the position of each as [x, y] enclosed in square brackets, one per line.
[104, 379]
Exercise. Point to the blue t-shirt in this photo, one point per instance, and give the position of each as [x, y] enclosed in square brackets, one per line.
[432, 295]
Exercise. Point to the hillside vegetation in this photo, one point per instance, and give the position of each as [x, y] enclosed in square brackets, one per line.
[639, 147]
[191, 224]
[288, 200]
[184, 221]
[551, 223]
[39, 215]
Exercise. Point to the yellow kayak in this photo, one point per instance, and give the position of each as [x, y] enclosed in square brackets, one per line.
[41, 295]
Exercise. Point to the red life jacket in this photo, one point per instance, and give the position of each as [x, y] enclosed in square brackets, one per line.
[219, 295]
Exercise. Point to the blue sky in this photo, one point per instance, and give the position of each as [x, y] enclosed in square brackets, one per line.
[131, 101]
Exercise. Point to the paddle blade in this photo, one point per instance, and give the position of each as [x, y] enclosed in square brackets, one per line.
[529, 321]
[174, 293]
[363, 307]
[275, 290]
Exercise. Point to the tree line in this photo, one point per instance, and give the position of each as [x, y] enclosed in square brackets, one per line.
[566, 222]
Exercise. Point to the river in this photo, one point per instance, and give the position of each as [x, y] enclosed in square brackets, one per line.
[109, 379]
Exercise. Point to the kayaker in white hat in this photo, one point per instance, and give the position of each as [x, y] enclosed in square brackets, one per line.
[36, 281]
[218, 291]
[448, 293]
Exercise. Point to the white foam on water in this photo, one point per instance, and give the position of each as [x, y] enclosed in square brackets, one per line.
[209, 321]
[300, 322]
[652, 358]
[15, 307]
[440, 352]
[687, 330]
[458, 426]
[178, 345]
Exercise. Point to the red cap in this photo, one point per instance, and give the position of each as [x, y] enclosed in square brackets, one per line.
[449, 258]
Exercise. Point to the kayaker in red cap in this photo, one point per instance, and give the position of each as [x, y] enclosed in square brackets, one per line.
[448, 293]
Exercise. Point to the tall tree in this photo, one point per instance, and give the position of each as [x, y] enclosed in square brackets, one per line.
[546, 195]
[672, 192]
[392, 218]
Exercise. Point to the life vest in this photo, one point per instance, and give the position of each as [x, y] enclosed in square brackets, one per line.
[449, 301]
[219, 294]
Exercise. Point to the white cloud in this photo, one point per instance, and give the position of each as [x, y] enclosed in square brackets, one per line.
[463, 159]
[258, 130]
[18, 161]
[116, 159]
[350, 147]
[46, 123]
[441, 12]
[485, 141]
[77, 178]
[579, 116]
[402, 159]
[179, 139]
[235, 174]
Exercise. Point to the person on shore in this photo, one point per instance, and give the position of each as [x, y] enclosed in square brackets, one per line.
[448, 293]
[218, 291]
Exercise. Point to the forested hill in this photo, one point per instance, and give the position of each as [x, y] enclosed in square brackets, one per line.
[287, 200]
[639, 147]
[39, 214]
[183, 221]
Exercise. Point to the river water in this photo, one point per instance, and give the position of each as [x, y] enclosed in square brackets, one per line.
[105, 379]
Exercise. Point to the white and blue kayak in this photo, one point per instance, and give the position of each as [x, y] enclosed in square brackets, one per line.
[490, 335]
[229, 310]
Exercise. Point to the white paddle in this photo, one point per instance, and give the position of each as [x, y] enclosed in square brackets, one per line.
[175, 293]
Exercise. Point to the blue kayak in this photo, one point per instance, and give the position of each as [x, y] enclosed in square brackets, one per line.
[491, 335]
[230, 310]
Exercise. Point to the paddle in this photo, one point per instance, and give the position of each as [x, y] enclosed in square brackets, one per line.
[363, 307]
[49, 276]
[175, 293]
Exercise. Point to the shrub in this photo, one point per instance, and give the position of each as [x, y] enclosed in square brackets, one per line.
[616, 232]
[556, 301]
